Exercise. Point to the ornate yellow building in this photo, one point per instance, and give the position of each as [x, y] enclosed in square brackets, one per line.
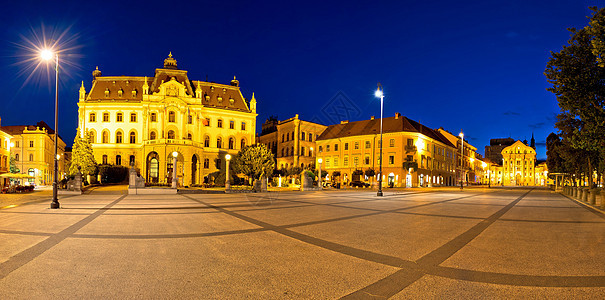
[5, 148]
[351, 146]
[518, 161]
[292, 141]
[34, 151]
[143, 120]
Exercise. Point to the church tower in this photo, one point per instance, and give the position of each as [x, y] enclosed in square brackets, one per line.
[533, 141]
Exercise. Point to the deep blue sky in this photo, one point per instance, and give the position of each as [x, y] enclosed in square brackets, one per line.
[471, 65]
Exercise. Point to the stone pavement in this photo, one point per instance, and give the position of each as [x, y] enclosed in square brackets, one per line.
[445, 243]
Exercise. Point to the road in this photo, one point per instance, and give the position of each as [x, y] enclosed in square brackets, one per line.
[447, 243]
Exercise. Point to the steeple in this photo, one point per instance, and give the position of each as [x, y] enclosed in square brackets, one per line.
[96, 73]
[253, 104]
[533, 141]
[170, 63]
[82, 92]
[234, 82]
[198, 91]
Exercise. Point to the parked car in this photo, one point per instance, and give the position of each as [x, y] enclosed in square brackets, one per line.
[358, 183]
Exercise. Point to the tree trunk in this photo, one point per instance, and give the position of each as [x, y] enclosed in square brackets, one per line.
[589, 174]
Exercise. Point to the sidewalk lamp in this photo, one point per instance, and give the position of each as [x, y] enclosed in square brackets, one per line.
[380, 94]
[48, 55]
[462, 173]
[227, 178]
[319, 160]
[174, 157]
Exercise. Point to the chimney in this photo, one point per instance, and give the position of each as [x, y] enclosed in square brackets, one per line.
[372, 118]
[397, 115]
[344, 122]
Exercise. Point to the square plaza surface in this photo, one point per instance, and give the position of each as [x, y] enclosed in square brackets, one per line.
[442, 243]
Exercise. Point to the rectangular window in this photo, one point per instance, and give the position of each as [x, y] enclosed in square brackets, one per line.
[356, 145]
[391, 159]
[346, 146]
[302, 136]
[154, 117]
[392, 143]
[367, 160]
[243, 125]
[207, 122]
[310, 137]
[133, 117]
[231, 125]
[31, 144]
[105, 117]
[327, 162]
[92, 117]
[368, 144]
[17, 144]
[119, 117]
[302, 151]
[219, 123]
[346, 161]
[336, 161]
[410, 142]
[189, 119]
[327, 148]
[335, 147]
[356, 161]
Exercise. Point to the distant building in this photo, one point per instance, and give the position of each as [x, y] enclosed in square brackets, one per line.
[518, 167]
[5, 154]
[34, 151]
[469, 166]
[142, 121]
[351, 148]
[291, 141]
[493, 152]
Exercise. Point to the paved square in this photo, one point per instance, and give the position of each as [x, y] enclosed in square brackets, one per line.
[410, 244]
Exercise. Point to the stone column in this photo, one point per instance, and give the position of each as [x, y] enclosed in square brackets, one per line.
[593, 196]
[585, 194]
[603, 199]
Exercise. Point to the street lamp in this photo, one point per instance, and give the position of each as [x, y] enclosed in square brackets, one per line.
[319, 160]
[227, 178]
[380, 94]
[461, 135]
[174, 157]
[47, 55]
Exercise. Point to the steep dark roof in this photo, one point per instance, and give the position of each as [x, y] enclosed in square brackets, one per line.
[391, 124]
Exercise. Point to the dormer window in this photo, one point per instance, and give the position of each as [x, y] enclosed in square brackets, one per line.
[207, 98]
[220, 99]
[120, 92]
[106, 92]
[231, 101]
[134, 93]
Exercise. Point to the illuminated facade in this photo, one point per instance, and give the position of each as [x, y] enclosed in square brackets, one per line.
[518, 161]
[142, 120]
[292, 141]
[5, 154]
[34, 151]
[414, 155]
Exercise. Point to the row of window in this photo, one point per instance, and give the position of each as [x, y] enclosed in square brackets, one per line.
[92, 117]
[290, 151]
[31, 144]
[303, 136]
[118, 161]
[31, 157]
[410, 143]
[171, 135]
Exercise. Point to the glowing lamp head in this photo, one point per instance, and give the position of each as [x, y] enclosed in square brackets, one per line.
[46, 54]
[12, 144]
[58, 157]
[461, 135]
[319, 160]
[378, 93]
[228, 157]
[484, 164]
[175, 154]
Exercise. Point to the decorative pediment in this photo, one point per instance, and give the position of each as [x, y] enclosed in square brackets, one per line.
[172, 88]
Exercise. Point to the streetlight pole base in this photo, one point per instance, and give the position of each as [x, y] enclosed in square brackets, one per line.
[55, 204]
[379, 194]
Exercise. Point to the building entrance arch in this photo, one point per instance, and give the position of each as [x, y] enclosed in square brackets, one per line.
[153, 167]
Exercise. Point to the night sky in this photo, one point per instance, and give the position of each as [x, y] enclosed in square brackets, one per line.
[475, 66]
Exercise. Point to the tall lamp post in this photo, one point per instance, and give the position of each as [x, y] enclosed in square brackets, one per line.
[380, 94]
[48, 55]
[227, 178]
[319, 160]
[461, 135]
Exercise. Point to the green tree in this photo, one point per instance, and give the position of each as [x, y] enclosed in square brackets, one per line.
[13, 165]
[254, 161]
[596, 29]
[82, 156]
[577, 81]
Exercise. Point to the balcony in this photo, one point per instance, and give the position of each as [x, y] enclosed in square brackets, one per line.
[410, 148]
[173, 142]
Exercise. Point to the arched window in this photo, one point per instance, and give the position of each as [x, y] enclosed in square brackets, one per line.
[152, 135]
[243, 143]
[206, 163]
[231, 143]
[105, 137]
[219, 143]
[189, 136]
[131, 160]
[171, 134]
[171, 117]
[118, 137]
[92, 136]
[118, 160]
[133, 137]
[207, 141]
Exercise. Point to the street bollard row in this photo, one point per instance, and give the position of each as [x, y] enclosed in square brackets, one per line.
[585, 194]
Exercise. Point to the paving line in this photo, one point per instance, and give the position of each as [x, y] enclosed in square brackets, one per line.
[29, 254]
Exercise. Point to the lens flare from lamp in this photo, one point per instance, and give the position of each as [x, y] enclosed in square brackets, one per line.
[228, 157]
[46, 54]
[378, 94]
[175, 154]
